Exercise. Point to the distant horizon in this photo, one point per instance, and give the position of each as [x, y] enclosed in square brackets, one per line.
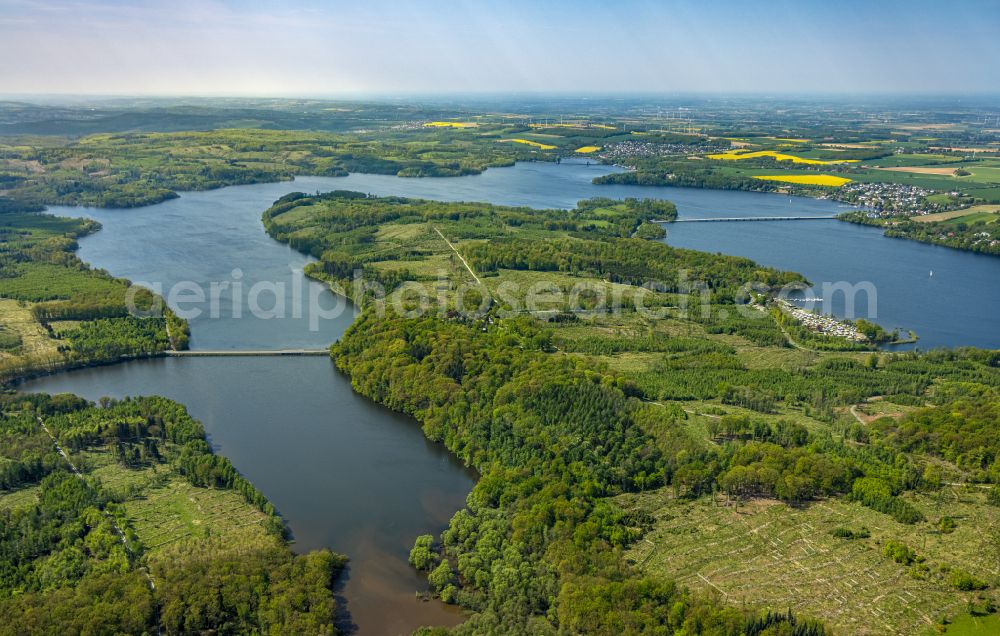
[566, 94]
[317, 49]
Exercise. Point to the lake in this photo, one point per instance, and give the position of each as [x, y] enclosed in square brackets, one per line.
[349, 475]
[948, 297]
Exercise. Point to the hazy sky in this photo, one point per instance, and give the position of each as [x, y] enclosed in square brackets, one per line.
[326, 48]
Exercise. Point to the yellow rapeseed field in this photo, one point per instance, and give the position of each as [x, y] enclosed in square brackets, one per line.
[531, 143]
[451, 124]
[808, 179]
[588, 148]
[733, 156]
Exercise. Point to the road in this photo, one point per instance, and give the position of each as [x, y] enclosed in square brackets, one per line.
[462, 258]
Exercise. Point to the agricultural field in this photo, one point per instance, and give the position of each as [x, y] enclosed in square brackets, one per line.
[903, 172]
[451, 124]
[777, 156]
[907, 160]
[819, 179]
[950, 171]
[528, 142]
[874, 408]
[986, 213]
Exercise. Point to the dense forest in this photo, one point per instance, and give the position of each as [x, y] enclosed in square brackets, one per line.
[630, 261]
[538, 546]
[563, 416]
[553, 438]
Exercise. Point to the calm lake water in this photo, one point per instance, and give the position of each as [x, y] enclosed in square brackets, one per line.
[349, 475]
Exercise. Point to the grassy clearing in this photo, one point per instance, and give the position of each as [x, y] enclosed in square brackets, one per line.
[701, 411]
[772, 357]
[402, 232]
[163, 507]
[874, 409]
[102, 468]
[62, 327]
[44, 281]
[848, 583]
[21, 498]
[555, 291]
[178, 510]
[968, 625]
[428, 267]
[983, 173]
[35, 341]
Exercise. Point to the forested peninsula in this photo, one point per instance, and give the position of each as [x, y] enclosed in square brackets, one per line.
[119, 518]
[56, 312]
[594, 429]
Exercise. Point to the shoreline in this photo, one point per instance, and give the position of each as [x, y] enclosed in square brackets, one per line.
[343, 616]
[887, 232]
[841, 216]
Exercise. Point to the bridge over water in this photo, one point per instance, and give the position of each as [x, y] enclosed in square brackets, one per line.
[194, 353]
[724, 219]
